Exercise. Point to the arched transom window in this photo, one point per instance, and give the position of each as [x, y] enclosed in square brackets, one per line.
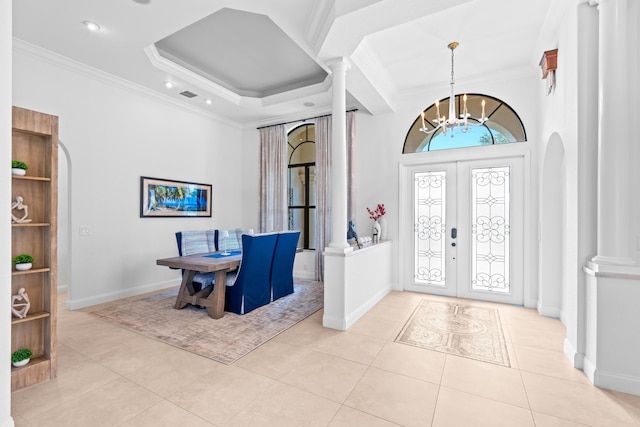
[502, 127]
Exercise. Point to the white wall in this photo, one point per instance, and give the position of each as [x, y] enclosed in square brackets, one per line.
[570, 113]
[569, 117]
[634, 88]
[379, 142]
[552, 219]
[5, 222]
[379, 151]
[115, 133]
[251, 178]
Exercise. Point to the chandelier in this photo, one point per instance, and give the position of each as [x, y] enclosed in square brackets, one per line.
[453, 122]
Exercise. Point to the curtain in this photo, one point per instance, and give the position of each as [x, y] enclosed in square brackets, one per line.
[323, 184]
[273, 179]
[323, 191]
[351, 149]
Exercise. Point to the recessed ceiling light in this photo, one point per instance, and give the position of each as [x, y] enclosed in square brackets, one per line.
[309, 104]
[208, 101]
[91, 26]
[169, 85]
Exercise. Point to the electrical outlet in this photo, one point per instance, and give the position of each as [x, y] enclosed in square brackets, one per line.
[85, 230]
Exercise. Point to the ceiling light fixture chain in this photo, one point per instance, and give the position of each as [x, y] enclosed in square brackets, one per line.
[452, 121]
[452, 46]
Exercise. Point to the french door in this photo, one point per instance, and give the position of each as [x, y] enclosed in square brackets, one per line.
[467, 234]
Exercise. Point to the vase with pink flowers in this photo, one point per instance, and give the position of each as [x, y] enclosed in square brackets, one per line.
[380, 223]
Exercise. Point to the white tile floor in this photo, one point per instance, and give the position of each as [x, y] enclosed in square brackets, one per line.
[313, 376]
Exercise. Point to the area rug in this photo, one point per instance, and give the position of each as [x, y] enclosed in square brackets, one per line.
[463, 330]
[224, 340]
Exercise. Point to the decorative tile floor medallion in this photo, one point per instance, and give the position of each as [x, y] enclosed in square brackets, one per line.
[464, 330]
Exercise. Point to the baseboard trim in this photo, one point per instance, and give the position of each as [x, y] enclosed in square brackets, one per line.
[549, 311]
[617, 382]
[355, 315]
[8, 422]
[611, 380]
[344, 323]
[304, 274]
[63, 289]
[75, 304]
[576, 359]
[564, 318]
[334, 323]
[589, 370]
[530, 303]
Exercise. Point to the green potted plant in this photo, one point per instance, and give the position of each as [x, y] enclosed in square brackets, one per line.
[18, 167]
[21, 357]
[23, 262]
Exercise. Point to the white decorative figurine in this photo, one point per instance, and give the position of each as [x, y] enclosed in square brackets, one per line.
[20, 304]
[18, 205]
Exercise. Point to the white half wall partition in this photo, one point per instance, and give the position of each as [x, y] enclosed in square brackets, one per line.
[354, 283]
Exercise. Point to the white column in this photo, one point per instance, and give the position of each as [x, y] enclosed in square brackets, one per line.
[574, 299]
[615, 236]
[339, 227]
[612, 285]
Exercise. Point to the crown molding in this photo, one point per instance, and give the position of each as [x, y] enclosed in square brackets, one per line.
[164, 64]
[197, 80]
[93, 73]
[290, 118]
[300, 93]
[320, 21]
[297, 118]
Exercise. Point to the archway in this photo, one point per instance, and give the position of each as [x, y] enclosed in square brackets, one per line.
[64, 220]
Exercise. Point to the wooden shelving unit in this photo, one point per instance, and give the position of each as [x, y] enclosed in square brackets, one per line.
[35, 142]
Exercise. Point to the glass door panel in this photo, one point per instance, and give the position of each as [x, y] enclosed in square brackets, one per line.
[434, 205]
[490, 229]
[430, 229]
[491, 253]
[467, 238]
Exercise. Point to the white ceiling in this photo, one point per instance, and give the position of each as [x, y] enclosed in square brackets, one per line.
[259, 61]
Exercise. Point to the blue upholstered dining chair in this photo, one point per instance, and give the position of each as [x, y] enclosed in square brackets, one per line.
[197, 242]
[282, 266]
[252, 287]
[233, 242]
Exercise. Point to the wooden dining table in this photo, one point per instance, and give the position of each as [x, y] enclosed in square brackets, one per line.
[212, 297]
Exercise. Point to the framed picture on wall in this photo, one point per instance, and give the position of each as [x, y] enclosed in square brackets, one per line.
[168, 198]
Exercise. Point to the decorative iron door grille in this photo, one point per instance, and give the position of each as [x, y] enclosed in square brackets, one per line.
[429, 227]
[490, 234]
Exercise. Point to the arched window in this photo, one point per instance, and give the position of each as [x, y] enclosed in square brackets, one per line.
[502, 127]
[302, 183]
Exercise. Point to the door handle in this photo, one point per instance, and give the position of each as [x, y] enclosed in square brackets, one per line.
[454, 233]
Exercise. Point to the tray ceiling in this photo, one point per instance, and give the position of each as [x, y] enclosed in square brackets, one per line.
[259, 61]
